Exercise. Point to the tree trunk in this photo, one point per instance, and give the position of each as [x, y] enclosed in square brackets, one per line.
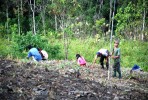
[55, 17]
[63, 26]
[110, 15]
[21, 8]
[143, 26]
[112, 25]
[43, 19]
[7, 22]
[18, 11]
[21, 20]
[109, 70]
[101, 3]
[33, 16]
[64, 36]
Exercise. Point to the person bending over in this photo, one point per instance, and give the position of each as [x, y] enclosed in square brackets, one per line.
[104, 55]
[34, 53]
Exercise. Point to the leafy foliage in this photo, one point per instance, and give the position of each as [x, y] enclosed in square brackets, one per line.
[22, 41]
[3, 48]
[74, 20]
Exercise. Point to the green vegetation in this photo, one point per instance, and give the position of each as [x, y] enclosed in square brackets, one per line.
[132, 52]
[66, 27]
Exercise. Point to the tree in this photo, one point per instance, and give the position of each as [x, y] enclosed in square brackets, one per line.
[32, 7]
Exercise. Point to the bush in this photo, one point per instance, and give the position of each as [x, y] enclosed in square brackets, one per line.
[4, 47]
[22, 41]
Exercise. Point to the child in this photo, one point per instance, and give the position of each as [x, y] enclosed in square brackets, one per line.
[116, 57]
[80, 60]
[103, 54]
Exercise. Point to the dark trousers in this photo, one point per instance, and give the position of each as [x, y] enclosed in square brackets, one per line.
[116, 68]
[102, 61]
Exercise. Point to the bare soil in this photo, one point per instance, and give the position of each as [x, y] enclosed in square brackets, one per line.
[64, 80]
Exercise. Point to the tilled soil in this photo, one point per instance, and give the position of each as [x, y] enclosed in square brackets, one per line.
[64, 80]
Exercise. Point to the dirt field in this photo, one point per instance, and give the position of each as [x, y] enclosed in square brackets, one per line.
[64, 80]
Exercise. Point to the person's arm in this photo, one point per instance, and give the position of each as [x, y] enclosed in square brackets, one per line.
[29, 55]
[112, 52]
[115, 57]
[78, 61]
[95, 59]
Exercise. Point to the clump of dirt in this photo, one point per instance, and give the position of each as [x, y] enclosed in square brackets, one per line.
[64, 80]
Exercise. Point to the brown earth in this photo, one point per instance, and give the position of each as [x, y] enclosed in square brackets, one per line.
[64, 80]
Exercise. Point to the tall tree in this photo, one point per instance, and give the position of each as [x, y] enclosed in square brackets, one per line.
[32, 7]
[42, 5]
[112, 25]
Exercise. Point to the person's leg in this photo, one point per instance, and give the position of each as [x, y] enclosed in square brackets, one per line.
[102, 61]
[114, 70]
[107, 63]
[33, 59]
[119, 70]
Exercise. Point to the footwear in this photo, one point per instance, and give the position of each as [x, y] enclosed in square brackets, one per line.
[113, 76]
[120, 77]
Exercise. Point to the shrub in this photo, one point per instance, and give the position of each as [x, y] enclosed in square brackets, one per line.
[22, 41]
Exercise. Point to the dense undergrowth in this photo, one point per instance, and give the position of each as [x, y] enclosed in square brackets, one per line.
[132, 52]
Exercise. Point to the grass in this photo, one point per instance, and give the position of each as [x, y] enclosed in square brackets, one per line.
[132, 52]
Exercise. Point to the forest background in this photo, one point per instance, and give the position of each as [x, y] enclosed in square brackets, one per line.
[66, 27]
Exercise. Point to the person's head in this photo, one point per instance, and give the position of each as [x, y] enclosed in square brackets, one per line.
[78, 55]
[116, 43]
[29, 47]
[98, 54]
[39, 49]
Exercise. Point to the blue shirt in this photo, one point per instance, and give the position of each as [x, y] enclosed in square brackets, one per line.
[35, 53]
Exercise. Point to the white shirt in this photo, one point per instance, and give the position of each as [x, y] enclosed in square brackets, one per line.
[103, 52]
[45, 54]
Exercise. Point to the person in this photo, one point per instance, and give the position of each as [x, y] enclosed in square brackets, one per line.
[34, 53]
[80, 60]
[43, 53]
[103, 54]
[116, 57]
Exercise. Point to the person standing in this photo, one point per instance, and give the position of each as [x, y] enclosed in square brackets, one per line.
[116, 57]
[104, 55]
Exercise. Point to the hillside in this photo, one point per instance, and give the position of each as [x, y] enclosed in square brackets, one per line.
[64, 80]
